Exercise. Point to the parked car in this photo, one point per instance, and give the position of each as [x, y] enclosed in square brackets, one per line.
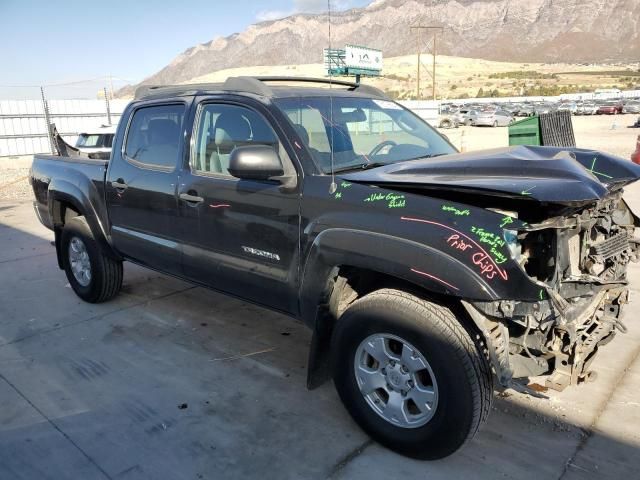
[526, 111]
[420, 270]
[590, 108]
[568, 107]
[635, 156]
[498, 118]
[610, 109]
[465, 116]
[96, 140]
[632, 107]
[447, 121]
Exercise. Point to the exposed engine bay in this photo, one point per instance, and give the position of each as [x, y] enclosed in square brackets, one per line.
[580, 261]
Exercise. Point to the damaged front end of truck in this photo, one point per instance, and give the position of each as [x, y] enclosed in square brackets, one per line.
[575, 240]
[570, 239]
[580, 262]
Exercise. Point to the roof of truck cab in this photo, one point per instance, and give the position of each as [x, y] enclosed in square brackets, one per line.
[270, 87]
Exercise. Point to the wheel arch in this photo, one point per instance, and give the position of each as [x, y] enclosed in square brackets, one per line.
[334, 277]
[67, 201]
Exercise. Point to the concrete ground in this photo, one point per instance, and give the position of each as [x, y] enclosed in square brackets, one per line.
[171, 381]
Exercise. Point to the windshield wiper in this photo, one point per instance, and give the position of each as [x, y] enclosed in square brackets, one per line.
[360, 166]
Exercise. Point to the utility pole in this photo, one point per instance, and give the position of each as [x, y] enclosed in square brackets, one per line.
[436, 30]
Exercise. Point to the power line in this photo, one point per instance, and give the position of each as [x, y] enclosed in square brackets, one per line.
[69, 84]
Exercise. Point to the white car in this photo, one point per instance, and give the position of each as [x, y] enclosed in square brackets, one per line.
[499, 118]
[98, 140]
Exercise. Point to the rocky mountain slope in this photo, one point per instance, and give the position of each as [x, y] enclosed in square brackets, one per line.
[508, 30]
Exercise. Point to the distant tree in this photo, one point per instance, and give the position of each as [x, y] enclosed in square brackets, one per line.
[480, 93]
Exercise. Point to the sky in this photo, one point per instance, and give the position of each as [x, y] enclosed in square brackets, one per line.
[49, 42]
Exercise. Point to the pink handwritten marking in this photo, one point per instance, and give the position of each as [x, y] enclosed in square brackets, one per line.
[433, 277]
[220, 205]
[501, 272]
[456, 242]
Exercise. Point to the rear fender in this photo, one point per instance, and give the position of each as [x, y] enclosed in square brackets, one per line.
[61, 193]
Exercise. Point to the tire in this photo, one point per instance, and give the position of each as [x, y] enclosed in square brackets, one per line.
[445, 124]
[461, 381]
[495, 123]
[105, 273]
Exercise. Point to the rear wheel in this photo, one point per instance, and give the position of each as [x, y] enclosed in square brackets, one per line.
[410, 374]
[94, 276]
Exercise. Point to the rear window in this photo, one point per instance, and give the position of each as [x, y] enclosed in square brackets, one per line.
[153, 137]
[94, 140]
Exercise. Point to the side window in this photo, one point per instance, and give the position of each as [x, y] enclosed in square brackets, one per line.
[221, 128]
[310, 125]
[153, 137]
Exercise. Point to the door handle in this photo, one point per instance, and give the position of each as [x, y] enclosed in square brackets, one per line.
[119, 185]
[191, 199]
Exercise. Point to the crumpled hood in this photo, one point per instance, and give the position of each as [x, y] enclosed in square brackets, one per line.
[546, 174]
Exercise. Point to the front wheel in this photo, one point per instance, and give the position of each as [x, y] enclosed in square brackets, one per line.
[94, 276]
[410, 374]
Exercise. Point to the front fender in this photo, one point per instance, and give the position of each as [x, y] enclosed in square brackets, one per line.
[401, 258]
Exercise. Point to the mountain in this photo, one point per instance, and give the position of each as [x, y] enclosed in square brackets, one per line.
[508, 30]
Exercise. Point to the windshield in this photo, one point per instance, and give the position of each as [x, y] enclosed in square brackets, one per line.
[361, 132]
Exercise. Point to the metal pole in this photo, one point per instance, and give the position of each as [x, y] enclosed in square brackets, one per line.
[418, 79]
[106, 99]
[436, 29]
[435, 34]
[47, 120]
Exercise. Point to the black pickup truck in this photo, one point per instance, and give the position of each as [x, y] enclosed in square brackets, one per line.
[424, 273]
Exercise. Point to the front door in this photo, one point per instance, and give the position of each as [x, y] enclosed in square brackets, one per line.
[141, 187]
[242, 235]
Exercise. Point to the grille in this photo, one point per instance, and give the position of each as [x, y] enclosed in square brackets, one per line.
[611, 247]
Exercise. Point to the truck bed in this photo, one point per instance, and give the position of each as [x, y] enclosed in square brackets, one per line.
[79, 177]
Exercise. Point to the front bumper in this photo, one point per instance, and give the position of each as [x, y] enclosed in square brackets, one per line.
[536, 339]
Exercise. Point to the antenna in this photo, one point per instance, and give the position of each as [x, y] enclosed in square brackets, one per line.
[333, 187]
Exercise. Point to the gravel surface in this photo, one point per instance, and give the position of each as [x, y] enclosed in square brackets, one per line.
[14, 174]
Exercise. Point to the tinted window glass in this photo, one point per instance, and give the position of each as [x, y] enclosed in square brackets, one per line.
[357, 131]
[87, 140]
[154, 135]
[221, 128]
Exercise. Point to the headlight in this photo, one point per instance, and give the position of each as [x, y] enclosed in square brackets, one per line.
[515, 249]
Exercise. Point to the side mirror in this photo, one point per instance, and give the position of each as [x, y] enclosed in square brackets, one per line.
[255, 162]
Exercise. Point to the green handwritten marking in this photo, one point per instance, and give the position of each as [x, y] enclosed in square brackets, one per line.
[506, 221]
[338, 195]
[397, 203]
[541, 294]
[394, 200]
[527, 191]
[490, 238]
[494, 241]
[457, 212]
[592, 169]
[374, 197]
[345, 184]
[498, 256]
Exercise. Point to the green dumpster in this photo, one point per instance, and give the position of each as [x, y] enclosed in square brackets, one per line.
[525, 132]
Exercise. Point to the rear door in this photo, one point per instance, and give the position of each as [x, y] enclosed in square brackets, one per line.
[141, 186]
[241, 236]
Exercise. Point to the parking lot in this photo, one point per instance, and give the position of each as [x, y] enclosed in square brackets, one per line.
[178, 382]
